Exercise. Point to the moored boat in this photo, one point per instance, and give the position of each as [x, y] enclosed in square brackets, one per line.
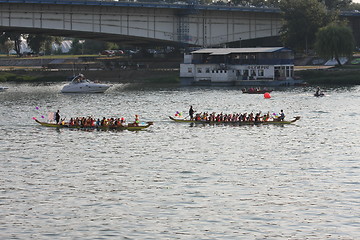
[270, 122]
[129, 126]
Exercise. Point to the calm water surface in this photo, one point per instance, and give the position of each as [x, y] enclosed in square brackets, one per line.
[175, 180]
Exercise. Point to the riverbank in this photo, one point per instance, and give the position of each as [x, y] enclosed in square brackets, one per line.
[152, 71]
[114, 76]
[98, 68]
[340, 75]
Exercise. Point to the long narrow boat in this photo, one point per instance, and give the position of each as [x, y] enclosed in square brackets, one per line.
[235, 123]
[130, 127]
[256, 91]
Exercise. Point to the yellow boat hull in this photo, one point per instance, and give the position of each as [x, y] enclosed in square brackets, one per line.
[236, 123]
[119, 128]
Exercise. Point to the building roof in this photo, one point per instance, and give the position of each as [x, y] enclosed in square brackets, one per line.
[225, 51]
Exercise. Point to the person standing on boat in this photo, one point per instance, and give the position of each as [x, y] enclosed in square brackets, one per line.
[57, 117]
[191, 112]
[282, 115]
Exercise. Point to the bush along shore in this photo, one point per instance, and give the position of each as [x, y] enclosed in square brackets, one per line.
[24, 78]
[115, 76]
[344, 75]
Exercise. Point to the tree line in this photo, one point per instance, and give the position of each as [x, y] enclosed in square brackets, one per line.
[42, 44]
[308, 26]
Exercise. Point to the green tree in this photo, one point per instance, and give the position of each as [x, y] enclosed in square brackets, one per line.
[36, 42]
[334, 41]
[7, 46]
[76, 47]
[42, 42]
[336, 4]
[302, 19]
[93, 46]
[16, 38]
[255, 3]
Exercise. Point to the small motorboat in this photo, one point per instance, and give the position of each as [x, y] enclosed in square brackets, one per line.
[80, 84]
[3, 89]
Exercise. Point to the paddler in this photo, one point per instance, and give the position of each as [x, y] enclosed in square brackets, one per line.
[57, 117]
[191, 112]
[282, 115]
[137, 121]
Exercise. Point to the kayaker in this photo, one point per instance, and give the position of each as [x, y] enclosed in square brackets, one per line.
[318, 92]
[191, 112]
[57, 117]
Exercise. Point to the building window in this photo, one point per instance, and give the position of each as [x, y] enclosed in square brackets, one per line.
[189, 70]
[199, 70]
[207, 70]
[260, 72]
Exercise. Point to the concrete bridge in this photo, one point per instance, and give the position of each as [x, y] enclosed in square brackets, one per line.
[140, 23]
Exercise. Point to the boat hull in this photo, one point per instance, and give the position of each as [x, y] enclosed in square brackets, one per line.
[3, 89]
[236, 123]
[105, 128]
[256, 91]
[85, 88]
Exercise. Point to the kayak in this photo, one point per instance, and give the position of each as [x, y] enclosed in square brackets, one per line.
[319, 94]
[130, 127]
[235, 123]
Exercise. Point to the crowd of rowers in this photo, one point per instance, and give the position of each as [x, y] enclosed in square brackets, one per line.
[104, 122]
[238, 117]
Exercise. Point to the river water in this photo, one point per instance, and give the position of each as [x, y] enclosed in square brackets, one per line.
[177, 180]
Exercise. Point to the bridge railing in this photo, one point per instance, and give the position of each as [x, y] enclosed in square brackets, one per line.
[195, 4]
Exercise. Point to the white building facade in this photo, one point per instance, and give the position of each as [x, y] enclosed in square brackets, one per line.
[239, 66]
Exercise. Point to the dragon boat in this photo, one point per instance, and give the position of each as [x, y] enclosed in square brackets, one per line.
[129, 126]
[256, 91]
[270, 122]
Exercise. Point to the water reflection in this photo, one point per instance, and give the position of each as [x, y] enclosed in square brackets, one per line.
[179, 180]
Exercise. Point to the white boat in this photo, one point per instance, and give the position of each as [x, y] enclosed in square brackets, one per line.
[80, 84]
[2, 89]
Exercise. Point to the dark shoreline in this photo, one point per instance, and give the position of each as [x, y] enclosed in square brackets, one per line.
[344, 75]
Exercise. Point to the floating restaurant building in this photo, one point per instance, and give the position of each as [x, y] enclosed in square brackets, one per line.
[266, 66]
